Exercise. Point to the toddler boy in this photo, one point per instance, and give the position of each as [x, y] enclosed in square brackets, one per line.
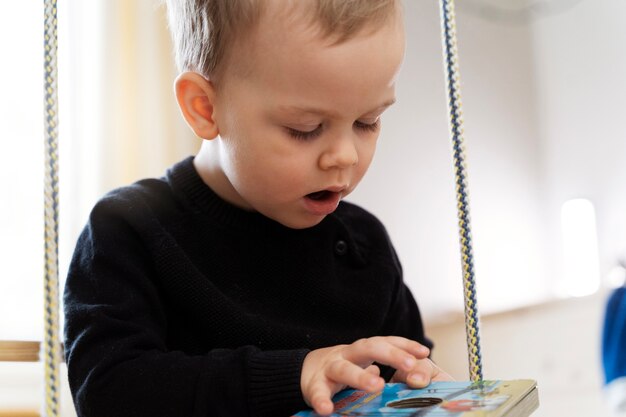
[240, 283]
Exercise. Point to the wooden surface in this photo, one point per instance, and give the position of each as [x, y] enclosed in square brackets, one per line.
[18, 351]
[19, 413]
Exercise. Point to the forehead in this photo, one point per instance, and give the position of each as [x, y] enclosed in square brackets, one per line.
[287, 56]
[333, 19]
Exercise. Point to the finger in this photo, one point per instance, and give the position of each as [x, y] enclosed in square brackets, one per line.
[439, 374]
[385, 350]
[442, 375]
[421, 375]
[373, 369]
[411, 346]
[319, 398]
[344, 372]
[425, 372]
[399, 376]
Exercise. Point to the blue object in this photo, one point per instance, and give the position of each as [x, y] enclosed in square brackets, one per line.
[614, 336]
[614, 350]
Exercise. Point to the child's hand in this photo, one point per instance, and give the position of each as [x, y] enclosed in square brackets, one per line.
[327, 371]
[422, 374]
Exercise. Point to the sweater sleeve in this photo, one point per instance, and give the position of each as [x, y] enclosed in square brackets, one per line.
[403, 318]
[115, 336]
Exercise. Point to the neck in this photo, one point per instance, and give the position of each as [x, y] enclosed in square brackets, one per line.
[207, 164]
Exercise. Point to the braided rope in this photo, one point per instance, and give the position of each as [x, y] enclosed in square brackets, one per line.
[52, 353]
[456, 131]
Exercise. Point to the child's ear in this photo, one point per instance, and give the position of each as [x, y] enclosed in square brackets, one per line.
[196, 99]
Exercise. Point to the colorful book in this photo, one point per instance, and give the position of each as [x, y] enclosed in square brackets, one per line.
[496, 398]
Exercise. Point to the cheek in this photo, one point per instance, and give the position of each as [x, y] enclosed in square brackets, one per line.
[264, 167]
[366, 155]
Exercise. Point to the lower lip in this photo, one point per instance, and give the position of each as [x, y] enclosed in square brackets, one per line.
[322, 207]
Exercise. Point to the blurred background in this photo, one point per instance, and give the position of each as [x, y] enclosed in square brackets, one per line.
[543, 86]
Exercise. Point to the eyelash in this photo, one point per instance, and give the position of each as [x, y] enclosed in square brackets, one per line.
[298, 134]
[373, 127]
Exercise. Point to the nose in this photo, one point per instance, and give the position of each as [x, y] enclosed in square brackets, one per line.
[341, 153]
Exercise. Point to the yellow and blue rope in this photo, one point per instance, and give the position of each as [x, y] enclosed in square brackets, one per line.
[472, 329]
[52, 354]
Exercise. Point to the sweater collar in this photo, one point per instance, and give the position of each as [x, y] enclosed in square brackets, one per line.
[188, 185]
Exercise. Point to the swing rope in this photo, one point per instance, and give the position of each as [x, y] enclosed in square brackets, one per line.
[448, 25]
[52, 352]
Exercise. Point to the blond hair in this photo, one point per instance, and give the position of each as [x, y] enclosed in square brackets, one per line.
[203, 30]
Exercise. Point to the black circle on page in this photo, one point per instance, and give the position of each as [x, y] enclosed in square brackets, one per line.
[415, 402]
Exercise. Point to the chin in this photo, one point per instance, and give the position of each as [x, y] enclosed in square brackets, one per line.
[301, 223]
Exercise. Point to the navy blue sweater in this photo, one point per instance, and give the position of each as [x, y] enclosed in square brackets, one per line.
[180, 304]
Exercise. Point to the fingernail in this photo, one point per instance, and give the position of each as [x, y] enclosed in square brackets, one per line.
[373, 382]
[417, 378]
[325, 407]
[409, 363]
[424, 350]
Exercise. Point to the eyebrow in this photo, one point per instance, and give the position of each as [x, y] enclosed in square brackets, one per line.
[322, 112]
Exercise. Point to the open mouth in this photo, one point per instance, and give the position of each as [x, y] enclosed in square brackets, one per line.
[322, 202]
[321, 195]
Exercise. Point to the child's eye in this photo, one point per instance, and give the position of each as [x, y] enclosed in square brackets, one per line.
[304, 135]
[368, 127]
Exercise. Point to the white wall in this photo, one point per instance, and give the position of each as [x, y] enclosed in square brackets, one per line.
[544, 111]
[581, 60]
[557, 344]
[411, 185]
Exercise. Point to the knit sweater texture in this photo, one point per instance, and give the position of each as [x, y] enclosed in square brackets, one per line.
[180, 304]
